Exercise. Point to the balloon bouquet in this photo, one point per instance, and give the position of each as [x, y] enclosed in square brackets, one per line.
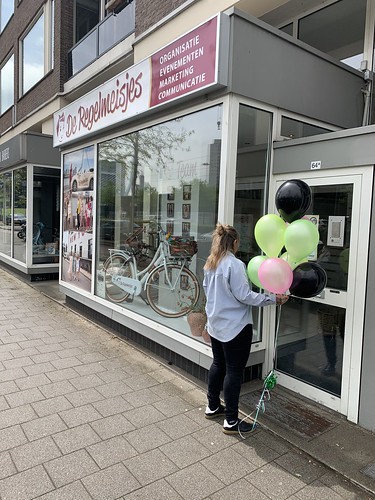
[287, 241]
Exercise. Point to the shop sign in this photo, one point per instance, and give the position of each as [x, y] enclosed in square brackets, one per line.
[184, 66]
[10, 152]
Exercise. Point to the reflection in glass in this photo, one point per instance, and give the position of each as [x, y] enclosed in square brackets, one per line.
[6, 11]
[295, 128]
[46, 212]
[5, 213]
[19, 213]
[33, 55]
[337, 30]
[7, 85]
[143, 181]
[254, 135]
[310, 343]
[311, 334]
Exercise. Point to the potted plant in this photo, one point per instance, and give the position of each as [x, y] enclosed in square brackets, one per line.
[197, 320]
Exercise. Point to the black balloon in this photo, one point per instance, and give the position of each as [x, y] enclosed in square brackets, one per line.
[292, 199]
[309, 279]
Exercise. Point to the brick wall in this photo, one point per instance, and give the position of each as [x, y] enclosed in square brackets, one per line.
[53, 82]
[149, 12]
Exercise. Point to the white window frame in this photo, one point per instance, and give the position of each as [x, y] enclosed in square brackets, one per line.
[48, 12]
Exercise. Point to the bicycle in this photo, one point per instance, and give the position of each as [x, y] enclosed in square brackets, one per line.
[171, 288]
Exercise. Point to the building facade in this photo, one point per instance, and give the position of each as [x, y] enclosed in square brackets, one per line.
[169, 119]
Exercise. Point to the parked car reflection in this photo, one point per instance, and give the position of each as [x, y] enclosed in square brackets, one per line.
[18, 219]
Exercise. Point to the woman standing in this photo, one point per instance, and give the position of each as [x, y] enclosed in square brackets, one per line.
[229, 298]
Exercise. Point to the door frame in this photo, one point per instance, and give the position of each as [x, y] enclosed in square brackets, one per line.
[362, 180]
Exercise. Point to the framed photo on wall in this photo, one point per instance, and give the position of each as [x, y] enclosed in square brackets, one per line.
[170, 226]
[170, 209]
[186, 229]
[186, 192]
[186, 210]
[170, 194]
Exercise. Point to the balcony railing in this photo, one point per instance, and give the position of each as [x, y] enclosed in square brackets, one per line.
[104, 36]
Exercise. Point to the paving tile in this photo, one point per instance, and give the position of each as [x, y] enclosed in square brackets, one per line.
[76, 438]
[240, 490]
[112, 426]
[143, 416]
[7, 467]
[141, 382]
[150, 466]
[91, 357]
[61, 374]
[112, 375]
[57, 389]
[114, 389]
[275, 482]
[51, 405]
[141, 398]
[60, 364]
[17, 415]
[26, 485]
[44, 426]
[70, 353]
[228, 466]
[317, 491]
[112, 406]
[89, 369]
[39, 368]
[213, 437]
[35, 453]
[111, 451]
[160, 490]
[301, 466]
[81, 415]
[185, 451]
[110, 483]
[72, 491]
[147, 438]
[79, 398]
[172, 406]
[255, 452]
[32, 381]
[178, 426]
[194, 482]
[12, 374]
[45, 357]
[86, 381]
[341, 486]
[64, 470]
[17, 362]
[3, 404]
[24, 397]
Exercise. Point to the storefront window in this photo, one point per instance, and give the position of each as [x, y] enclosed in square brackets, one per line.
[77, 244]
[5, 213]
[19, 213]
[46, 215]
[157, 199]
[254, 140]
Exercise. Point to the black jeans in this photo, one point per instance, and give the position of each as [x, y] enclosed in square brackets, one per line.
[226, 371]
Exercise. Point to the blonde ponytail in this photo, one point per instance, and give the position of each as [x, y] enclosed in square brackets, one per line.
[223, 239]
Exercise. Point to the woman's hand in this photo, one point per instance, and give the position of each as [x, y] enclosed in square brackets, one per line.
[281, 298]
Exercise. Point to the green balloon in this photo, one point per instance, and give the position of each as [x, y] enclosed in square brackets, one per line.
[269, 234]
[291, 261]
[253, 267]
[301, 238]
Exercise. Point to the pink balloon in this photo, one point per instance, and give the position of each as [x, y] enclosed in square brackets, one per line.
[276, 275]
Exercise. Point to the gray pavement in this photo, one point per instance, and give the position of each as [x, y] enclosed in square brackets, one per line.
[85, 415]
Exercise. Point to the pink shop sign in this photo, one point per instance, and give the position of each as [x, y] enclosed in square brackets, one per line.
[184, 66]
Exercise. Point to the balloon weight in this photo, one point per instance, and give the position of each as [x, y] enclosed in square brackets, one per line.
[292, 199]
[309, 279]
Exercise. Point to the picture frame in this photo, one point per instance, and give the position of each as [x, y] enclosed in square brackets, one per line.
[186, 191]
[186, 229]
[170, 209]
[170, 226]
[170, 194]
[186, 210]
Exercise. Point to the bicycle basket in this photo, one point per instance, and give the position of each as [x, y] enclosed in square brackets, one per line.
[182, 247]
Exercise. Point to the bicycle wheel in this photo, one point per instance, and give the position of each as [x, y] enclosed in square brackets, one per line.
[172, 290]
[117, 265]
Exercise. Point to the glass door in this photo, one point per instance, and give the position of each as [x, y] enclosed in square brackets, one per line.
[317, 344]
